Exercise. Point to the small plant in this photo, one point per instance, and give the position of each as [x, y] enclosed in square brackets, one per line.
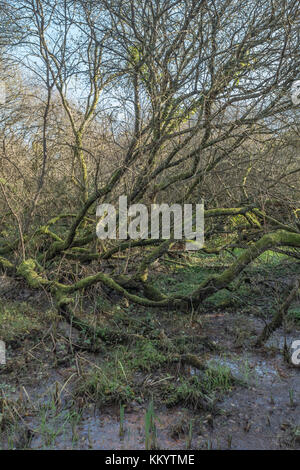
[294, 314]
[122, 412]
[296, 434]
[74, 418]
[209, 445]
[291, 396]
[9, 412]
[188, 392]
[190, 435]
[108, 384]
[218, 378]
[229, 441]
[150, 428]
[147, 357]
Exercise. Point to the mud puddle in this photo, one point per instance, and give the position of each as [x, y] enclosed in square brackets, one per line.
[262, 411]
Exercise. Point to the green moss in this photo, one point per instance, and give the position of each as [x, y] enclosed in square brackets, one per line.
[152, 293]
[18, 319]
[145, 356]
[223, 299]
[294, 314]
[27, 270]
[185, 281]
[237, 221]
[6, 264]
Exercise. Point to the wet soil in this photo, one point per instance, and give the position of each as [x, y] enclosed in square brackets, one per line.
[262, 411]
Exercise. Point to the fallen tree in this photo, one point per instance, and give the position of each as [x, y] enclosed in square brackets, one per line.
[37, 276]
[195, 105]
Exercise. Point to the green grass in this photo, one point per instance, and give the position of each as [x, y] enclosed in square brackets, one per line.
[109, 382]
[19, 319]
[54, 423]
[150, 428]
[200, 391]
[117, 378]
[146, 356]
[294, 314]
[201, 265]
[217, 378]
[113, 381]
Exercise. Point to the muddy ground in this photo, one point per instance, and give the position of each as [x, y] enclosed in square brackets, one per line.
[59, 391]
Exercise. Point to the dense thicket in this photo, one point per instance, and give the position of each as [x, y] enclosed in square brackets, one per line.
[164, 101]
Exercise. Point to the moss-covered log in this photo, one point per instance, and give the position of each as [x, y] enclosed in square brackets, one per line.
[279, 316]
[7, 265]
[110, 283]
[27, 269]
[267, 242]
[206, 288]
[142, 270]
[263, 216]
[59, 246]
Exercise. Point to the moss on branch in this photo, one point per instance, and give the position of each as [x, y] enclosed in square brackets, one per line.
[268, 241]
[27, 269]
